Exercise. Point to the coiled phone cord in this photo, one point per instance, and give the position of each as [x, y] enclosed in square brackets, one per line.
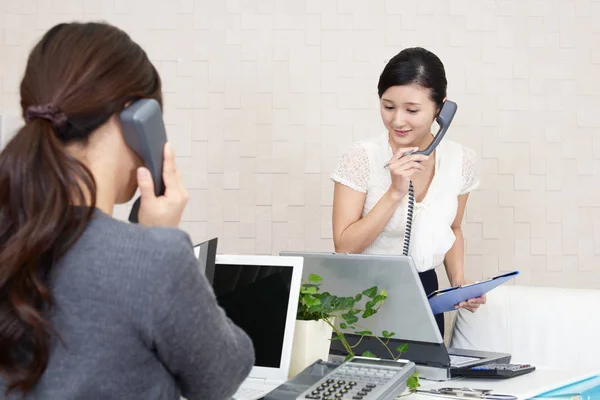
[409, 217]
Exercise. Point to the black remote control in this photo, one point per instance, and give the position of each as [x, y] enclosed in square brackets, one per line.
[496, 371]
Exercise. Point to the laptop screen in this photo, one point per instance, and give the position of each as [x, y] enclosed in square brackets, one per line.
[256, 299]
[207, 252]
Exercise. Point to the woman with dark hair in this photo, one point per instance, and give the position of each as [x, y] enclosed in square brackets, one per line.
[370, 201]
[92, 307]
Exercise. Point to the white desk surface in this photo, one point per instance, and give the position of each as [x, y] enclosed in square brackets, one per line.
[524, 386]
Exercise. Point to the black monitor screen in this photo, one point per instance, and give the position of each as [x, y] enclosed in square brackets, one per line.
[256, 299]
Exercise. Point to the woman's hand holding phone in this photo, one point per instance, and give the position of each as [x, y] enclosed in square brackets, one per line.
[163, 210]
[402, 167]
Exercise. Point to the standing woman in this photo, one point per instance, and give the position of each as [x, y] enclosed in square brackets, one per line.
[92, 307]
[370, 202]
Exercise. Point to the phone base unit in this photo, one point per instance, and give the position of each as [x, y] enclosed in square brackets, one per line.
[362, 378]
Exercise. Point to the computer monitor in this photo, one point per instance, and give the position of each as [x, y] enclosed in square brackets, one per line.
[260, 295]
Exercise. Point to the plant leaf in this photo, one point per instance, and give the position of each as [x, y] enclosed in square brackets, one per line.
[368, 354]
[412, 382]
[371, 292]
[402, 348]
[387, 334]
[337, 337]
[365, 333]
[368, 313]
[312, 301]
[358, 297]
[343, 326]
[346, 303]
[378, 299]
[326, 303]
[309, 290]
[349, 318]
[314, 278]
[305, 285]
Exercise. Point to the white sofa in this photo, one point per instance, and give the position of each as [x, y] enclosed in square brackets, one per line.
[552, 328]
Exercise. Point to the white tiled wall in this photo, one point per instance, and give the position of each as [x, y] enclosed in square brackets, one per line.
[263, 96]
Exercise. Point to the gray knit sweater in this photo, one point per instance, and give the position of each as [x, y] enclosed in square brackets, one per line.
[138, 320]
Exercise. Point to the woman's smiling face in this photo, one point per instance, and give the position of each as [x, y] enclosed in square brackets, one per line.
[407, 112]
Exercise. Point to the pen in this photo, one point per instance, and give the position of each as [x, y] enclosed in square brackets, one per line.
[387, 164]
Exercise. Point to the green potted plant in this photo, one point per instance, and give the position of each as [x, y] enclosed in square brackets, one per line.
[323, 317]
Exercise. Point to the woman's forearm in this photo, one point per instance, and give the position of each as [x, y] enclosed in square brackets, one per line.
[360, 234]
[455, 259]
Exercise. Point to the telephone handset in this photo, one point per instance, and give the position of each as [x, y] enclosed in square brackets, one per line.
[144, 132]
[443, 119]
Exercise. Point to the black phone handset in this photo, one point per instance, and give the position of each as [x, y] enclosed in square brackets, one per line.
[144, 132]
[443, 119]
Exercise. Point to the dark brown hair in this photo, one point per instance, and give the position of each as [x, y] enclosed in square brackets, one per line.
[77, 77]
[415, 65]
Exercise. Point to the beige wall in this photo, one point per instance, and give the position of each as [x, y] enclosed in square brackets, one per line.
[262, 97]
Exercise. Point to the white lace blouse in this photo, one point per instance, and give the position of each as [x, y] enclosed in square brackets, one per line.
[361, 169]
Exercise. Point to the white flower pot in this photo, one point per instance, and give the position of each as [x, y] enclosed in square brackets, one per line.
[312, 340]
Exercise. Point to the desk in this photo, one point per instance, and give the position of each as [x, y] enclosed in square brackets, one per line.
[524, 386]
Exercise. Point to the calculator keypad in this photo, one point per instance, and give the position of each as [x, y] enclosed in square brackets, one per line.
[354, 382]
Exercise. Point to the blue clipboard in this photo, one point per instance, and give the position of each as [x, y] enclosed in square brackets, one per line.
[445, 299]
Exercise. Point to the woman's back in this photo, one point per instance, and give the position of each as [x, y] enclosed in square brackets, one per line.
[134, 314]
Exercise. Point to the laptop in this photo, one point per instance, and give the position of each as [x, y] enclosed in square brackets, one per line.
[406, 311]
[207, 252]
[260, 294]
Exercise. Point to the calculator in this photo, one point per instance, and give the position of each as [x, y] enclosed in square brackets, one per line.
[362, 378]
[496, 370]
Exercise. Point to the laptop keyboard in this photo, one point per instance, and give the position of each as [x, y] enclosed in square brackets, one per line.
[246, 392]
[456, 361]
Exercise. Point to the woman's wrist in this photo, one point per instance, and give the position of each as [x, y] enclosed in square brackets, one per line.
[455, 271]
[457, 280]
[395, 195]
